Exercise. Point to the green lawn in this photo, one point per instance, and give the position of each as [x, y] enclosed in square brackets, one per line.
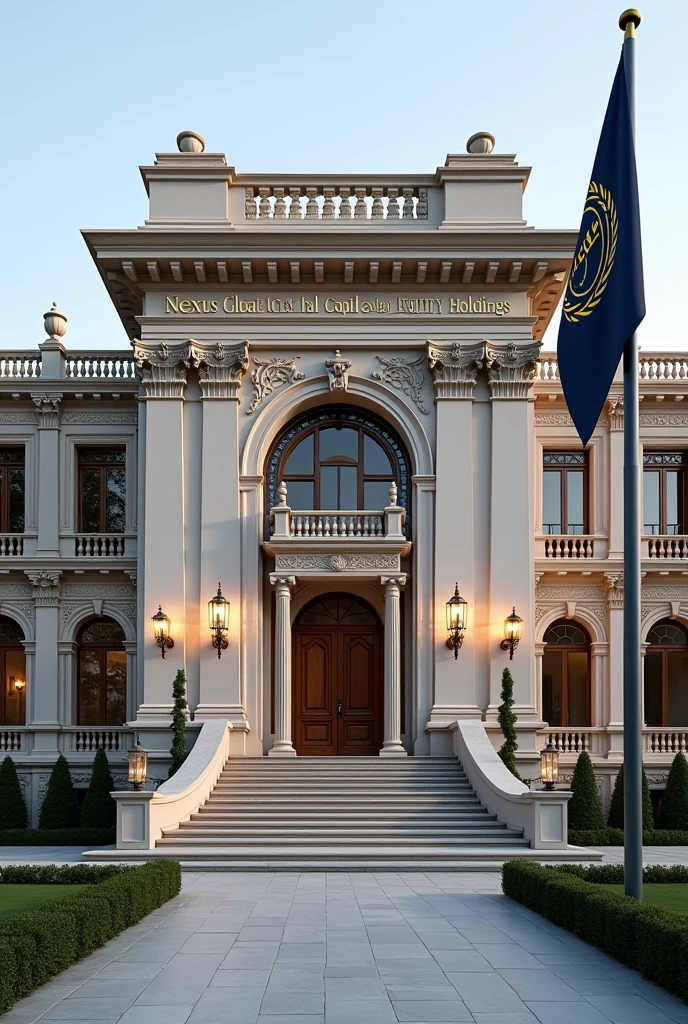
[670, 896]
[16, 898]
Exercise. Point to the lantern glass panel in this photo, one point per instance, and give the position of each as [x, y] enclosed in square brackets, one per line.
[138, 764]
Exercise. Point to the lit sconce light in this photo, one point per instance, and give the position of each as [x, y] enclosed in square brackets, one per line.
[549, 765]
[513, 631]
[161, 631]
[457, 616]
[16, 686]
[218, 620]
[138, 766]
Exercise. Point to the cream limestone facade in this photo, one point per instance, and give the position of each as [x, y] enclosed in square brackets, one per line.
[334, 403]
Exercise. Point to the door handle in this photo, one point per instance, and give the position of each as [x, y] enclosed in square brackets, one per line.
[339, 707]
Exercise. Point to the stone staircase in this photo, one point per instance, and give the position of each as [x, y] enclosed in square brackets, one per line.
[349, 813]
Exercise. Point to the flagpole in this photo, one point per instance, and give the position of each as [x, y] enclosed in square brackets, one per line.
[632, 707]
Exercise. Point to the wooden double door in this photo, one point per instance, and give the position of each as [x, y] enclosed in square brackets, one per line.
[337, 677]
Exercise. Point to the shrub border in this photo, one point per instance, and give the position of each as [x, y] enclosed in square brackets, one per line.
[57, 836]
[38, 944]
[615, 837]
[648, 939]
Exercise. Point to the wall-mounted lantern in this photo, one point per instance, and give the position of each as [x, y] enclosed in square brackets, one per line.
[138, 766]
[16, 686]
[218, 620]
[513, 631]
[161, 631]
[549, 765]
[457, 616]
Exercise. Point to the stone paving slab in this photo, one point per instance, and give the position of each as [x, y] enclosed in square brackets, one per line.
[338, 948]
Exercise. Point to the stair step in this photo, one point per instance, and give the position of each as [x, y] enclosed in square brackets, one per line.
[232, 833]
[302, 850]
[278, 819]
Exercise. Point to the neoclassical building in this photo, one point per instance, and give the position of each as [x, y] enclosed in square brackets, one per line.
[329, 398]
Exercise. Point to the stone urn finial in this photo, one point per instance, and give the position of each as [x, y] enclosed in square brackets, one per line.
[190, 142]
[55, 323]
[481, 143]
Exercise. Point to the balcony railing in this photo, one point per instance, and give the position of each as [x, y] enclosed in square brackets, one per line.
[666, 547]
[665, 741]
[20, 364]
[101, 365]
[100, 545]
[356, 524]
[658, 366]
[14, 738]
[348, 201]
[566, 546]
[572, 741]
[11, 544]
[109, 738]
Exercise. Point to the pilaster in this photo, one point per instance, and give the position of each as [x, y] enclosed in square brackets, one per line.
[43, 706]
[48, 406]
[615, 600]
[615, 484]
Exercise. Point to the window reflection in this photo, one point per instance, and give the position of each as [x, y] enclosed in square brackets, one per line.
[102, 664]
[12, 673]
[566, 675]
[666, 676]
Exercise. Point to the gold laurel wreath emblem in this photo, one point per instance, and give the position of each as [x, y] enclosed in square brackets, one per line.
[604, 201]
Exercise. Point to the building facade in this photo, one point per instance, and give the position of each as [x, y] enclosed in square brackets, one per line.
[334, 405]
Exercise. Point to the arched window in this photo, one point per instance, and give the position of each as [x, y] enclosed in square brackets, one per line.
[666, 675]
[337, 610]
[102, 683]
[13, 669]
[338, 459]
[566, 675]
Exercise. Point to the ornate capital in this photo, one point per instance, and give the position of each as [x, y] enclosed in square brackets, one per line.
[338, 370]
[454, 370]
[48, 406]
[613, 582]
[46, 587]
[163, 368]
[220, 369]
[269, 374]
[282, 583]
[512, 369]
[615, 410]
[390, 583]
[405, 376]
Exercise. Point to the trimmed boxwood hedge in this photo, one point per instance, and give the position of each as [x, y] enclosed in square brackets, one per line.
[57, 836]
[647, 938]
[615, 837]
[38, 944]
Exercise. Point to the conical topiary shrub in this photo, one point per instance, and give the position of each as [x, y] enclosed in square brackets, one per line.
[507, 720]
[60, 808]
[585, 806]
[12, 806]
[673, 810]
[99, 809]
[178, 748]
[616, 808]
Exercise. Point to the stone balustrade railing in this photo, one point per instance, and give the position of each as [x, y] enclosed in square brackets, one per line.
[100, 545]
[666, 547]
[665, 741]
[570, 741]
[343, 524]
[568, 546]
[335, 202]
[13, 738]
[655, 366]
[11, 544]
[110, 738]
[101, 365]
[20, 364]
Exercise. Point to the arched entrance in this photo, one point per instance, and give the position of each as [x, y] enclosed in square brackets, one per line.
[338, 678]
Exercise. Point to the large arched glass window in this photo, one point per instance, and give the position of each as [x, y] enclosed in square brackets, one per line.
[102, 683]
[13, 673]
[666, 675]
[566, 675]
[338, 460]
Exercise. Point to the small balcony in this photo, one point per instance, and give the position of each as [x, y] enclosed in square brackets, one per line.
[569, 547]
[666, 547]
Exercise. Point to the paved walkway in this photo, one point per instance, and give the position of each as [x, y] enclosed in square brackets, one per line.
[274, 948]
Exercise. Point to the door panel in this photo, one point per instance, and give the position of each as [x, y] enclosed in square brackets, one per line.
[337, 662]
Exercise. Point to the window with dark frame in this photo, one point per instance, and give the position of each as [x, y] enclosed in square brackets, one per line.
[102, 490]
[665, 668]
[566, 675]
[12, 490]
[565, 492]
[102, 674]
[12, 674]
[664, 493]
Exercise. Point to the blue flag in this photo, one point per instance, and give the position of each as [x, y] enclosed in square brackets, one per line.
[605, 299]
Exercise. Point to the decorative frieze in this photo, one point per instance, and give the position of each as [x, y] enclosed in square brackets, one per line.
[220, 369]
[48, 406]
[337, 562]
[455, 370]
[46, 587]
[270, 374]
[92, 418]
[338, 371]
[24, 418]
[664, 419]
[404, 375]
[163, 368]
[511, 369]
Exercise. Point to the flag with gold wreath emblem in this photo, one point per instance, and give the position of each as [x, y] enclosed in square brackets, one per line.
[604, 299]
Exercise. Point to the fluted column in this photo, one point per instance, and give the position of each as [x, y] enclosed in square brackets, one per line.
[391, 746]
[281, 744]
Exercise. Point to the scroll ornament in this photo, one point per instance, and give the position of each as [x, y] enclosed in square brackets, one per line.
[270, 374]
[404, 376]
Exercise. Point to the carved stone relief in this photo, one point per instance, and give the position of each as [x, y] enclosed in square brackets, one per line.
[337, 562]
[455, 370]
[270, 374]
[405, 376]
[511, 369]
[163, 368]
[220, 369]
[338, 370]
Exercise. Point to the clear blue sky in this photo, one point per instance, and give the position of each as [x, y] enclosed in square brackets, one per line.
[93, 89]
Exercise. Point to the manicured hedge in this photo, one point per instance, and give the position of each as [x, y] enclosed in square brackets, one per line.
[37, 945]
[649, 939]
[59, 874]
[615, 837]
[57, 836]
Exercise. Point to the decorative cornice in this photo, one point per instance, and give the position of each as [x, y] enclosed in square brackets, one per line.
[46, 587]
[405, 376]
[48, 406]
[220, 369]
[615, 589]
[455, 370]
[163, 368]
[270, 374]
[511, 369]
[615, 408]
[338, 370]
